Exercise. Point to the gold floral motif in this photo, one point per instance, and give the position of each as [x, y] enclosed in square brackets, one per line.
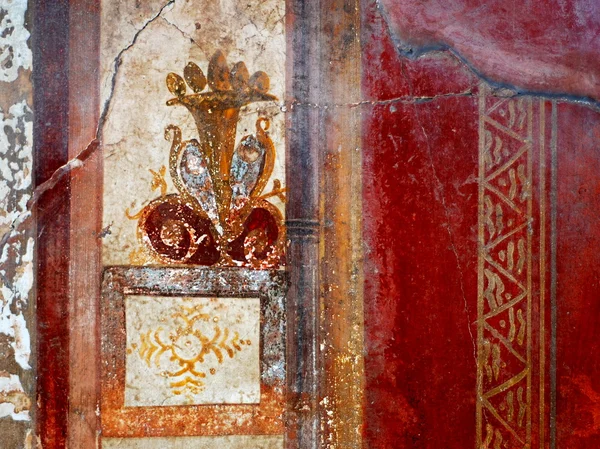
[220, 214]
[194, 337]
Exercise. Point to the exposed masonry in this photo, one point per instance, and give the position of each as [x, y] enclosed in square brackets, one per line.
[16, 242]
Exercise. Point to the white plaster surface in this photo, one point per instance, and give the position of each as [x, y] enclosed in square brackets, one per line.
[220, 335]
[11, 389]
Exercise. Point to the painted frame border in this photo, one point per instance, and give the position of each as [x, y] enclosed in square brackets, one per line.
[265, 418]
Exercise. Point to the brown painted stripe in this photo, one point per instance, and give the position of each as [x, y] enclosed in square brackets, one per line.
[86, 219]
[342, 281]
[50, 46]
[303, 140]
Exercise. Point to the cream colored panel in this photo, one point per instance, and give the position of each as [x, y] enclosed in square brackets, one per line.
[184, 351]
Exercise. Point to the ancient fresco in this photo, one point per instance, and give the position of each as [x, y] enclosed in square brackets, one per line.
[194, 133]
[183, 351]
[221, 214]
[426, 276]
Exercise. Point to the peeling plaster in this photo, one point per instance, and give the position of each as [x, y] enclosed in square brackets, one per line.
[16, 256]
[17, 240]
[14, 401]
[14, 51]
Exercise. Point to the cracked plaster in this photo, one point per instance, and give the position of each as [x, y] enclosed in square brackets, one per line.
[554, 54]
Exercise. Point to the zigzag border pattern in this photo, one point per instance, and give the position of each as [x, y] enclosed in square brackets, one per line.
[504, 301]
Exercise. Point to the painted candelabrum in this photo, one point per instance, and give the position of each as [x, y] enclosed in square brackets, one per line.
[220, 215]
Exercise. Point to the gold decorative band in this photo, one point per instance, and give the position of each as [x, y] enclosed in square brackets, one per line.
[506, 232]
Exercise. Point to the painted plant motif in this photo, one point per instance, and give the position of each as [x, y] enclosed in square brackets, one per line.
[220, 215]
[191, 337]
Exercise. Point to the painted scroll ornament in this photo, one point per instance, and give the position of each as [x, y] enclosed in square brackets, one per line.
[219, 216]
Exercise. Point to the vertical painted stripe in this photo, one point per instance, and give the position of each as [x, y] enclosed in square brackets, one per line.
[553, 271]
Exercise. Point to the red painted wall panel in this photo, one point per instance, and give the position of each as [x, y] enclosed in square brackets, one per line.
[578, 276]
[420, 216]
[425, 128]
[538, 45]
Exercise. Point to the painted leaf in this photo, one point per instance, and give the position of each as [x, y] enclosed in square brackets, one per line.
[239, 76]
[194, 77]
[260, 82]
[218, 72]
[176, 84]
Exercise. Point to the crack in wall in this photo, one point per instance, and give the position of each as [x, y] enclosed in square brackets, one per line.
[79, 160]
[442, 195]
[183, 33]
[118, 61]
[413, 52]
